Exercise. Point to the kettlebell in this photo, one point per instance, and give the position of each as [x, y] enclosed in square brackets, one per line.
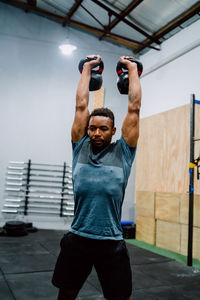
[123, 80]
[96, 75]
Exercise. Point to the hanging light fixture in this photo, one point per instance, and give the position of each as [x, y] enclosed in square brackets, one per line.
[67, 49]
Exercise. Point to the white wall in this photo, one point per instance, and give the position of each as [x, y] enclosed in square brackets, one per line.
[38, 87]
[172, 74]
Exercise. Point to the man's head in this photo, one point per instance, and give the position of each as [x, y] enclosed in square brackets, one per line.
[101, 128]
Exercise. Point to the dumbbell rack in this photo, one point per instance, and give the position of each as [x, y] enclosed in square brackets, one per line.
[39, 189]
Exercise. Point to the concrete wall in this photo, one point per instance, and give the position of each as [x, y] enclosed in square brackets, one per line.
[172, 74]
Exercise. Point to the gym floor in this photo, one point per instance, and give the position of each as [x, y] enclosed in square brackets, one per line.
[27, 263]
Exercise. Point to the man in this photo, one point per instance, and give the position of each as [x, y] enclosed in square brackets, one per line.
[100, 175]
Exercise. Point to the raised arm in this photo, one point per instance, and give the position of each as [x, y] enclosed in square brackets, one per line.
[130, 127]
[79, 127]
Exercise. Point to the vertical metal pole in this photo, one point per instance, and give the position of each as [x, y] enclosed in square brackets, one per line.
[63, 189]
[191, 181]
[27, 187]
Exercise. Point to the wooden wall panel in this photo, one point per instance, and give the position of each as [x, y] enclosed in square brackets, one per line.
[196, 241]
[145, 229]
[145, 204]
[168, 235]
[168, 207]
[184, 210]
[197, 130]
[184, 205]
[162, 161]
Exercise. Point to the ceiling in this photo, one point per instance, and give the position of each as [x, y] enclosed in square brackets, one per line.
[139, 25]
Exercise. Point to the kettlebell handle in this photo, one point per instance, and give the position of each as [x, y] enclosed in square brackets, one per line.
[83, 61]
[96, 75]
[120, 66]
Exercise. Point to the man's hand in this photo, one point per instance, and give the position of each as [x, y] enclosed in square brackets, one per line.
[129, 64]
[92, 63]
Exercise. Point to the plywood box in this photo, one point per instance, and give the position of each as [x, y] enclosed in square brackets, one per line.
[196, 241]
[168, 206]
[168, 235]
[145, 229]
[184, 210]
[197, 211]
[145, 204]
[162, 159]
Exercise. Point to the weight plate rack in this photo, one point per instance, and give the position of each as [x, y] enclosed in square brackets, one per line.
[39, 189]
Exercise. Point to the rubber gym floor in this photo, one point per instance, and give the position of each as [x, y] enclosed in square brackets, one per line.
[27, 263]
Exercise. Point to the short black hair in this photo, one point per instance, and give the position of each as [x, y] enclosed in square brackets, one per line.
[105, 112]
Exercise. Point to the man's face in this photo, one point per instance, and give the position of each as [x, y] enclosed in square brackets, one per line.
[100, 131]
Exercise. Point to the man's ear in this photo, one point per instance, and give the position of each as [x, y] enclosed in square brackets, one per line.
[113, 130]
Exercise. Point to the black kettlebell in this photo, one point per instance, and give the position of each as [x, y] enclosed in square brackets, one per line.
[123, 81]
[96, 75]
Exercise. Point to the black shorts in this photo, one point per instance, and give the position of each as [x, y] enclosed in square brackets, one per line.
[110, 258]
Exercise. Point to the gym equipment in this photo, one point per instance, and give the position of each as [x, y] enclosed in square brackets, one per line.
[15, 228]
[96, 75]
[18, 228]
[122, 72]
[39, 189]
[128, 229]
[29, 227]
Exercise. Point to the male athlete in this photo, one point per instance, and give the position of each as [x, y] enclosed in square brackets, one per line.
[100, 175]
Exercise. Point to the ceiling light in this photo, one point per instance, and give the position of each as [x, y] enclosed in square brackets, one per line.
[67, 49]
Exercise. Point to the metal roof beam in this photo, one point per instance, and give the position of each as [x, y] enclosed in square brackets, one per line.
[131, 40]
[72, 10]
[36, 9]
[195, 9]
[32, 2]
[123, 14]
[112, 37]
[83, 7]
[121, 18]
[61, 19]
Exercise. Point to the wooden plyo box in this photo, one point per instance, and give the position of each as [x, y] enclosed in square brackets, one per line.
[184, 210]
[146, 229]
[145, 204]
[168, 235]
[162, 220]
[196, 241]
[163, 153]
[167, 207]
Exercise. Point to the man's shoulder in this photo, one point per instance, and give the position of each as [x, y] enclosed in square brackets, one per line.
[128, 151]
[77, 146]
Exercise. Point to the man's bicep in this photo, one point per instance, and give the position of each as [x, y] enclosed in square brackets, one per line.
[80, 124]
[130, 128]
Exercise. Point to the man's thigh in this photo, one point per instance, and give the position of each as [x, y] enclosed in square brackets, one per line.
[73, 264]
[114, 270]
